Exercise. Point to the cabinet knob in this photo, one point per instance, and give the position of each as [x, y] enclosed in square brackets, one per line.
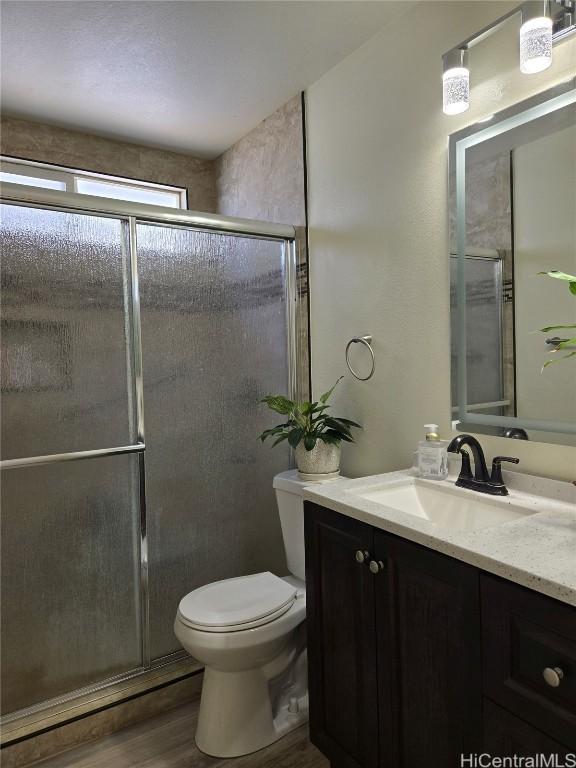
[553, 676]
[376, 566]
[362, 555]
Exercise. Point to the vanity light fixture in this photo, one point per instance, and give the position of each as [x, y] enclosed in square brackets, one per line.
[544, 23]
[456, 82]
[535, 38]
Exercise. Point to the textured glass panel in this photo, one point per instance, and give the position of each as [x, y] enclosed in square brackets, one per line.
[214, 342]
[64, 350]
[483, 331]
[70, 577]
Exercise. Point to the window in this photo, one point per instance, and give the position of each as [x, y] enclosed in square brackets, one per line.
[32, 181]
[119, 191]
[85, 183]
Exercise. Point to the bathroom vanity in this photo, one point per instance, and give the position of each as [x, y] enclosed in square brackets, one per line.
[431, 639]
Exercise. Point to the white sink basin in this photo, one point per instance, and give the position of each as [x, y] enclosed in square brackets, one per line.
[443, 504]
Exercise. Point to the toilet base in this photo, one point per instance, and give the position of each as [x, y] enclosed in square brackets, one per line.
[236, 713]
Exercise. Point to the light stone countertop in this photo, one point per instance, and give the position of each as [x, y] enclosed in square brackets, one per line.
[537, 551]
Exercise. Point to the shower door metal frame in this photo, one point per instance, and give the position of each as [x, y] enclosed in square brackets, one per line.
[25, 722]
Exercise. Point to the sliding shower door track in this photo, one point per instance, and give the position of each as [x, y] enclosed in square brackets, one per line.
[93, 698]
[102, 206]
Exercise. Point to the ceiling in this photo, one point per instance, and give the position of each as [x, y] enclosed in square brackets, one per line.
[188, 76]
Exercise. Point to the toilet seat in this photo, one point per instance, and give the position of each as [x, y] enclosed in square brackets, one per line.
[237, 604]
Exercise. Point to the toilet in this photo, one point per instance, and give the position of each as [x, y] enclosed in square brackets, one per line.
[249, 634]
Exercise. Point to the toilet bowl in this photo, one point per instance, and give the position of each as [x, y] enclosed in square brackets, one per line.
[249, 633]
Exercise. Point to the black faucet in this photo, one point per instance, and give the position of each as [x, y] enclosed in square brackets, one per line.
[481, 481]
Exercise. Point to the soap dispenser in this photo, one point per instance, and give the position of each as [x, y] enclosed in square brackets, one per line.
[433, 455]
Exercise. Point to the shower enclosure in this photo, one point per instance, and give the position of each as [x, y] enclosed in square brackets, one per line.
[136, 344]
[489, 332]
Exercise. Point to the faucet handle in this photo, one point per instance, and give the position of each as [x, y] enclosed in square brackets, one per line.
[496, 478]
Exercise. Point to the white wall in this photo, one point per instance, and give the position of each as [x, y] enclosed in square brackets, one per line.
[544, 238]
[377, 162]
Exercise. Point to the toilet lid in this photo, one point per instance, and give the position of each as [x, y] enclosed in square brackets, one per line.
[237, 601]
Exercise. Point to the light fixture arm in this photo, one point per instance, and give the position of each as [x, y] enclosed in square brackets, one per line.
[457, 57]
[534, 9]
[562, 12]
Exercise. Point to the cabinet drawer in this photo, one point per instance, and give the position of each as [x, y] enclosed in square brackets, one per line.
[523, 634]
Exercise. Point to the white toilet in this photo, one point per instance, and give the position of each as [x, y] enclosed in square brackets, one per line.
[249, 634]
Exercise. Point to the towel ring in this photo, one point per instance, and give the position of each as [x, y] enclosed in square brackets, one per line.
[367, 342]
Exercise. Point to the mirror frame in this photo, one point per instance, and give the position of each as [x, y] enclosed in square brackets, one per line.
[523, 112]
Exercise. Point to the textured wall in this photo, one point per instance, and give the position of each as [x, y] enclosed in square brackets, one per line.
[377, 165]
[262, 175]
[59, 146]
[488, 203]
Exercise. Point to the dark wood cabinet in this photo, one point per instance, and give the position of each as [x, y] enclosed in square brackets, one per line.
[342, 644]
[506, 735]
[428, 626]
[416, 658]
[394, 654]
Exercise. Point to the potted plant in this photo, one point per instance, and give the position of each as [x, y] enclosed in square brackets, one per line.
[314, 434]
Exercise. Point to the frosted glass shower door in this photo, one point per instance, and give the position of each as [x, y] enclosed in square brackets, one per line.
[70, 592]
[214, 337]
[65, 377]
[71, 601]
[484, 331]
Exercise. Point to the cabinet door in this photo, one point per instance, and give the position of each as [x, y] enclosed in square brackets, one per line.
[506, 735]
[341, 639]
[428, 629]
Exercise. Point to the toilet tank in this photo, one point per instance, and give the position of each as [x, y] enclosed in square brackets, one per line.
[289, 497]
[291, 510]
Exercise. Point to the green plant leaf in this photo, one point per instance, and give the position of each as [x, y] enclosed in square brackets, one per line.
[279, 403]
[566, 343]
[338, 435]
[274, 431]
[337, 424]
[326, 395]
[307, 408]
[319, 408]
[548, 328]
[348, 422]
[556, 273]
[295, 436]
[558, 359]
[309, 442]
[280, 439]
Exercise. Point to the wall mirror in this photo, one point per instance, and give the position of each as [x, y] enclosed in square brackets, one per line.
[513, 216]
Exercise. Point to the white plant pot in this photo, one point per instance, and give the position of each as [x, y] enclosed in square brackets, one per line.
[322, 461]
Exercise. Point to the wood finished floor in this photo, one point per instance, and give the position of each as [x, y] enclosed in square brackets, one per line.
[167, 741]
